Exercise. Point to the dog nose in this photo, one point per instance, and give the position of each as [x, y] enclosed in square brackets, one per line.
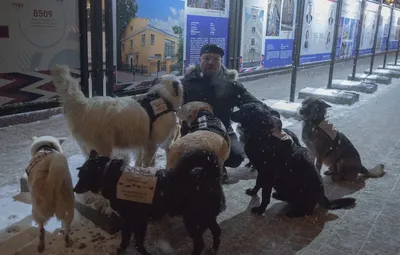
[301, 111]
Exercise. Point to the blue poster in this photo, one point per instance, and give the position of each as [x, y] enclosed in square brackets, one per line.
[202, 30]
[395, 31]
[278, 53]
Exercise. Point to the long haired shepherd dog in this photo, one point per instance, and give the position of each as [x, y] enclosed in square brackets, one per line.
[192, 190]
[50, 186]
[330, 146]
[282, 164]
[105, 123]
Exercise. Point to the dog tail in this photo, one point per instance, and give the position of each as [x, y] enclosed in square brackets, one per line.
[67, 87]
[376, 172]
[337, 203]
[200, 161]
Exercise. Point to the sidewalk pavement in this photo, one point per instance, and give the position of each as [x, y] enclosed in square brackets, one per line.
[372, 227]
[278, 86]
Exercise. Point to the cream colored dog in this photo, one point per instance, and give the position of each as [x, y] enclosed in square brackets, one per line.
[105, 123]
[50, 186]
[206, 133]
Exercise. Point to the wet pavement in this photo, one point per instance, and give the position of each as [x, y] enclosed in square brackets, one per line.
[371, 227]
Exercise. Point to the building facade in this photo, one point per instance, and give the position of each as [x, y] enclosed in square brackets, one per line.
[143, 45]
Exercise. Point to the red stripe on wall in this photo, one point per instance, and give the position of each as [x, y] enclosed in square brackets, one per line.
[4, 33]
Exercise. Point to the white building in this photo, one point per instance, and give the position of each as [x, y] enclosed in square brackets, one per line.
[252, 39]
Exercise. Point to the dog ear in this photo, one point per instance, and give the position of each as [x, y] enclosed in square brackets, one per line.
[61, 140]
[325, 104]
[175, 85]
[93, 154]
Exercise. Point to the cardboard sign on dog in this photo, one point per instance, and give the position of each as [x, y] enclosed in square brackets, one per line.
[137, 184]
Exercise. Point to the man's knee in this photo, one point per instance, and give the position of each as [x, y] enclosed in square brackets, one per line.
[234, 160]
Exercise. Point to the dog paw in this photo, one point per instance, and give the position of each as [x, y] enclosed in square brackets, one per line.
[251, 192]
[258, 210]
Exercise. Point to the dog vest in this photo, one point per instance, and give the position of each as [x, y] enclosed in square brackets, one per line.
[155, 107]
[207, 121]
[137, 184]
[41, 153]
[328, 128]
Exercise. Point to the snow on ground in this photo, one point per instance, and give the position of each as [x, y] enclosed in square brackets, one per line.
[18, 233]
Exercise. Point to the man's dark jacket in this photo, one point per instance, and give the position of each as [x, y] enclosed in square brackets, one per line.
[223, 92]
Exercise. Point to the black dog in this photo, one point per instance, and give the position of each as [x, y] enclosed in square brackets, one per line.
[192, 189]
[243, 138]
[282, 165]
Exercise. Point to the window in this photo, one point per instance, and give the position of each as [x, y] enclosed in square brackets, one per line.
[131, 44]
[143, 40]
[254, 17]
[131, 28]
[123, 46]
[253, 30]
[169, 48]
[152, 39]
[253, 41]
[158, 56]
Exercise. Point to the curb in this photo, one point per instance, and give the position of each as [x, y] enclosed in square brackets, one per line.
[357, 86]
[330, 95]
[28, 117]
[285, 108]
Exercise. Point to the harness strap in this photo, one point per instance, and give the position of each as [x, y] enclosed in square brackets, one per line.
[41, 152]
[155, 107]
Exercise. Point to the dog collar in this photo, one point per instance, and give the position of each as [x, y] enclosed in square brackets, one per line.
[41, 153]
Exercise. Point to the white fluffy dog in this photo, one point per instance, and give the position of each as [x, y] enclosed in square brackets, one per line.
[50, 186]
[105, 123]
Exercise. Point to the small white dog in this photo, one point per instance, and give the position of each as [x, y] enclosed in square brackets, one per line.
[106, 123]
[50, 186]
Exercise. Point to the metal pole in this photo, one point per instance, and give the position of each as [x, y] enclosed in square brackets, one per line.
[375, 38]
[388, 36]
[96, 27]
[334, 44]
[397, 52]
[358, 39]
[108, 20]
[238, 26]
[296, 47]
[83, 47]
[231, 35]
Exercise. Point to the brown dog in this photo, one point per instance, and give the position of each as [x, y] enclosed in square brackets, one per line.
[207, 133]
[331, 147]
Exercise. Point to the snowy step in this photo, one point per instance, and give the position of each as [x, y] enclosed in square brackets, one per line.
[330, 95]
[12, 245]
[358, 86]
[370, 78]
[285, 108]
[384, 72]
